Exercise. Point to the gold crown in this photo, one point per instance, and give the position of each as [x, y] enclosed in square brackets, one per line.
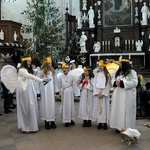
[64, 66]
[87, 68]
[47, 60]
[101, 63]
[123, 60]
[26, 58]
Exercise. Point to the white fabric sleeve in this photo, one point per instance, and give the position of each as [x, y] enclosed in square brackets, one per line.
[24, 73]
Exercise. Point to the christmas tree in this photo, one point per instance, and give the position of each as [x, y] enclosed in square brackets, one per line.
[46, 27]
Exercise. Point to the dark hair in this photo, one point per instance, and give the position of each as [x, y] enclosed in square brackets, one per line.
[75, 64]
[24, 65]
[125, 70]
[107, 75]
[91, 75]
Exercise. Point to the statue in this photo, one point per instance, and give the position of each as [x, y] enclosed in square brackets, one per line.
[97, 47]
[2, 35]
[139, 45]
[145, 14]
[82, 42]
[84, 5]
[91, 17]
[79, 19]
[117, 30]
[117, 41]
[15, 36]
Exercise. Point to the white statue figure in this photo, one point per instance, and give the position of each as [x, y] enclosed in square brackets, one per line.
[139, 45]
[91, 17]
[97, 47]
[79, 19]
[2, 35]
[84, 5]
[145, 14]
[136, 11]
[117, 41]
[15, 36]
[117, 30]
[84, 17]
[99, 14]
[82, 42]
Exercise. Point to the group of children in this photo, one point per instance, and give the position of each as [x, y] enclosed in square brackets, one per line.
[94, 102]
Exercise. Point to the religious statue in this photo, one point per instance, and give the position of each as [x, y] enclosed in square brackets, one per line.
[79, 19]
[145, 14]
[117, 41]
[15, 36]
[117, 30]
[82, 42]
[139, 45]
[97, 47]
[84, 5]
[2, 35]
[91, 17]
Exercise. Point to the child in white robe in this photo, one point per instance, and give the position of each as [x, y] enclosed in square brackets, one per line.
[86, 98]
[67, 88]
[101, 88]
[46, 94]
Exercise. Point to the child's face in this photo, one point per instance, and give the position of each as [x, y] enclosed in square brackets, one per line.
[101, 68]
[28, 63]
[120, 65]
[86, 73]
[65, 71]
[73, 65]
[59, 66]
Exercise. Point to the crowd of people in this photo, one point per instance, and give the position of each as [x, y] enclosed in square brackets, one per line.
[41, 88]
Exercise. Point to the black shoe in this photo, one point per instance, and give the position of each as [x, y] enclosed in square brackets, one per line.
[99, 126]
[84, 123]
[67, 124]
[47, 125]
[53, 125]
[105, 126]
[13, 106]
[117, 131]
[72, 122]
[89, 123]
[8, 111]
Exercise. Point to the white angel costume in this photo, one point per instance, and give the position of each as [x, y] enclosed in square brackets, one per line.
[123, 106]
[86, 100]
[47, 92]
[101, 109]
[67, 88]
[26, 96]
[26, 101]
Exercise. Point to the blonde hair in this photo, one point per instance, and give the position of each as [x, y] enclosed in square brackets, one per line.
[46, 70]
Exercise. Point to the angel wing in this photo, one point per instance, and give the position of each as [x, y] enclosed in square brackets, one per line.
[76, 73]
[9, 77]
[112, 68]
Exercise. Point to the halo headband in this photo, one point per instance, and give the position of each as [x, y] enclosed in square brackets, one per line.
[26, 58]
[123, 60]
[101, 63]
[47, 60]
[65, 66]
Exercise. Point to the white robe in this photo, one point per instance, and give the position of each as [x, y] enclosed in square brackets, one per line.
[26, 97]
[101, 110]
[123, 106]
[86, 101]
[67, 88]
[47, 102]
